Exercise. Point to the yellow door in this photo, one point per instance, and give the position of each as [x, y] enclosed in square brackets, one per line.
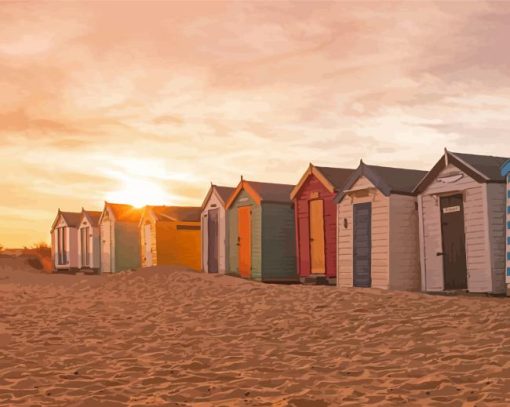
[317, 257]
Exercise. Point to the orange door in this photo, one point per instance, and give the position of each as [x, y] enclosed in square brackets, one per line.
[244, 240]
[317, 255]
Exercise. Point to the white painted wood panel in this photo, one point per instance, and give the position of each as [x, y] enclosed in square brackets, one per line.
[404, 258]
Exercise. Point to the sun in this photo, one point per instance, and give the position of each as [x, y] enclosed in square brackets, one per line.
[139, 192]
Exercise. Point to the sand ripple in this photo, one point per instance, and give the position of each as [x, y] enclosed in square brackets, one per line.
[173, 337]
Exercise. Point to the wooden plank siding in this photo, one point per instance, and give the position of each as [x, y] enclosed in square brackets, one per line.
[404, 257]
[214, 203]
[479, 251]
[497, 232]
[127, 246]
[380, 237]
[278, 243]
[314, 189]
[149, 220]
[244, 199]
[177, 246]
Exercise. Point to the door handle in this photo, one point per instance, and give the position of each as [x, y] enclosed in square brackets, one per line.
[439, 254]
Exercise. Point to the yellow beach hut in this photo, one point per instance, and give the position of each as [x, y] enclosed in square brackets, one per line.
[170, 235]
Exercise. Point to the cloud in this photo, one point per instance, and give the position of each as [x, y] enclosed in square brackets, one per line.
[94, 94]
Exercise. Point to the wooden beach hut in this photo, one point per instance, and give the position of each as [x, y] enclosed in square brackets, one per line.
[315, 217]
[462, 227]
[120, 237]
[170, 235]
[89, 242]
[505, 172]
[378, 229]
[261, 241]
[213, 225]
[64, 241]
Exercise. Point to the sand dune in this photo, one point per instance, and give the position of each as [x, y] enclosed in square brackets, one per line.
[174, 337]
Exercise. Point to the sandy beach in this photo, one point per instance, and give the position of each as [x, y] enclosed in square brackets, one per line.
[175, 337]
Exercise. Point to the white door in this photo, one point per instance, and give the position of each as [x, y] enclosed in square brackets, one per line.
[106, 244]
[148, 245]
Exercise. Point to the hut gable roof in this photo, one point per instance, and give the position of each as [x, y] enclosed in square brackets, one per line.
[505, 168]
[388, 180]
[263, 192]
[222, 192]
[332, 178]
[122, 212]
[72, 219]
[482, 168]
[92, 216]
[176, 213]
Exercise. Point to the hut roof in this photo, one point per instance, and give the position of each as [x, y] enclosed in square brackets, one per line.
[222, 191]
[332, 178]
[388, 180]
[263, 192]
[93, 216]
[176, 213]
[482, 168]
[72, 219]
[124, 212]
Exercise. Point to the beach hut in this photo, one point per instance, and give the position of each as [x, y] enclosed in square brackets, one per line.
[505, 172]
[89, 242]
[170, 235]
[213, 224]
[378, 229]
[315, 217]
[120, 237]
[261, 242]
[64, 241]
[462, 224]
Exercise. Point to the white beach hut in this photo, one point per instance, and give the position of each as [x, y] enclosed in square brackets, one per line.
[64, 241]
[378, 229]
[462, 224]
[213, 226]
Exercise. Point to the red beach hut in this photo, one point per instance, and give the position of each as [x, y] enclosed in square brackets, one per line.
[316, 219]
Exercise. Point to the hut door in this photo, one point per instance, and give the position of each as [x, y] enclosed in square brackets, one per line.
[106, 247]
[244, 240]
[317, 255]
[148, 245]
[454, 242]
[212, 240]
[362, 245]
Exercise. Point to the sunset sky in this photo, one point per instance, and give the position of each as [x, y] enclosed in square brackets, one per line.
[150, 102]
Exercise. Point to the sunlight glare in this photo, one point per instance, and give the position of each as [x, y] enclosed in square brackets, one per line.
[139, 192]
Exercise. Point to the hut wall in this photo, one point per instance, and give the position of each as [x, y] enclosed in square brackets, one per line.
[244, 199]
[497, 234]
[313, 189]
[278, 243]
[145, 262]
[404, 264]
[107, 228]
[380, 236]
[127, 246]
[178, 243]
